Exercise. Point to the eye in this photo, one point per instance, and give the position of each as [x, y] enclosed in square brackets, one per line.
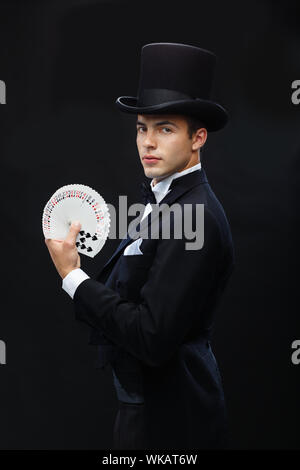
[140, 129]
[167, 129]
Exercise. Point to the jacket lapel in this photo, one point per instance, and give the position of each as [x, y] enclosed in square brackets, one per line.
[178, 186]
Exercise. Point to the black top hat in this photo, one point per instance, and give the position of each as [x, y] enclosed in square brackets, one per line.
[176, 79]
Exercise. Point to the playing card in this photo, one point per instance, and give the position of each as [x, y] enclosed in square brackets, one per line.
[77, 202]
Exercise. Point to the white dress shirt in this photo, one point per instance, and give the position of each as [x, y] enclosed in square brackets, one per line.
[160, 190]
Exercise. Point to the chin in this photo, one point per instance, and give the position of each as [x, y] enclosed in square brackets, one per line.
[150, 173]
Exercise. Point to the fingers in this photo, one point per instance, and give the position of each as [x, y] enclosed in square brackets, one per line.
[49, 241]
[73, 232]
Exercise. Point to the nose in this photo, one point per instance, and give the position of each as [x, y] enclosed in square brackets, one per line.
[149, 140]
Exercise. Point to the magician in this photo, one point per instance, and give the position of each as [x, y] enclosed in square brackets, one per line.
[151, 308]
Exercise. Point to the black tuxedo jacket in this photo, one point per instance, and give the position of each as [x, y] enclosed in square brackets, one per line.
[157, 309]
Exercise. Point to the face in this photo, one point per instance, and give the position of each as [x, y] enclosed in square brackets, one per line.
[166, 139]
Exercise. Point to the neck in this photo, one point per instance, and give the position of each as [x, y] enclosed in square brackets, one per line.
[193, 161]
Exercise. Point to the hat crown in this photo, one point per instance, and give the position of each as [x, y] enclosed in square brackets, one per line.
[185, 69]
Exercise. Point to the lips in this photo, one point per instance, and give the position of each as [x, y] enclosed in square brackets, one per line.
[150, 157]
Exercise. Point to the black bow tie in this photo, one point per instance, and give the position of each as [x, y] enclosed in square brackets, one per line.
[147, 194]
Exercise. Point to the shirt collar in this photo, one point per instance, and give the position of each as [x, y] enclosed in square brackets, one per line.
[162, 188]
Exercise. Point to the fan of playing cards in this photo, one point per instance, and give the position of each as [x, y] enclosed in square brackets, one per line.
[82, 203]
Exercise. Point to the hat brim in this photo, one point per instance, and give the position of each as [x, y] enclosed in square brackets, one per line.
[213, 115]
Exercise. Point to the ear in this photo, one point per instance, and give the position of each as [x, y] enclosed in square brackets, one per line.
[199, 138]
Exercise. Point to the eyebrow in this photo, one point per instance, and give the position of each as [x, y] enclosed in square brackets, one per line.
[157, 123]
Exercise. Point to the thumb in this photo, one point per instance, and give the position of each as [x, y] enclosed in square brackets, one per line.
[73, 232]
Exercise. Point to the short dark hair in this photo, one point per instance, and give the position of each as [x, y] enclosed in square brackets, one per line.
[193, 124]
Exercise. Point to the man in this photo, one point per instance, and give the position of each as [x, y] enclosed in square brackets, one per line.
[151, 307]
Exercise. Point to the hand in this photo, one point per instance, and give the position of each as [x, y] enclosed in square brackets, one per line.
[64, 253]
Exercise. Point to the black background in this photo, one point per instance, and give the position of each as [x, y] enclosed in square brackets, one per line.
[64, 64]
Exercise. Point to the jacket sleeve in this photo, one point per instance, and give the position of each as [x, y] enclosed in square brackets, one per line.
[172, 300]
